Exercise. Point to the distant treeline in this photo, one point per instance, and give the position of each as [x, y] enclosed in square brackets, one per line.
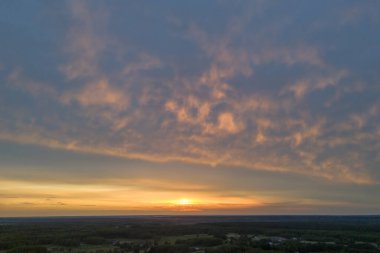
[348, 236]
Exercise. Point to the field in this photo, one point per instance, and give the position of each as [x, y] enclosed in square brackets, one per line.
[173, 239]
[191, 234]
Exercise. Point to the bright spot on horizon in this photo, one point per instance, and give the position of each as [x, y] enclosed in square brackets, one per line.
[185, 202]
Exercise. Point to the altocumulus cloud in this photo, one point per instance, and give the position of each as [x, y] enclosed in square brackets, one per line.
[290, 87]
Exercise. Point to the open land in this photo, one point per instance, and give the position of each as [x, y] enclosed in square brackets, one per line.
[197, 234]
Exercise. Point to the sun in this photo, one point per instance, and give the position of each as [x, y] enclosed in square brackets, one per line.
[184, 202]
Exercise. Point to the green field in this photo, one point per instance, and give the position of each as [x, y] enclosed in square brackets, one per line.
[173, 239]
[81, 249]
[116, 235]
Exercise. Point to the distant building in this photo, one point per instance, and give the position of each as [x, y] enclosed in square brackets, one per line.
[274, 239]
[232, 236]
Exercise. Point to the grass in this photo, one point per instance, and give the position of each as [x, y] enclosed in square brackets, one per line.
[82, 248]
[173, 239]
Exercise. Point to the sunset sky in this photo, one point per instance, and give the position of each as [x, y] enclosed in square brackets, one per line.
[189, 107]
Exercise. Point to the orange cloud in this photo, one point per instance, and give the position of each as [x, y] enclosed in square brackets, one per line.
[83, 43]
[226, 122]
[126, 111]
[100, 93]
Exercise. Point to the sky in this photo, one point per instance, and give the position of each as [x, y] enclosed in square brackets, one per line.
[189, 107]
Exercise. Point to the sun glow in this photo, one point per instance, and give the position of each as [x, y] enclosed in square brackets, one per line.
[184, 202]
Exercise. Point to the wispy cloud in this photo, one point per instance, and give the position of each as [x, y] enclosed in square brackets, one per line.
[252, 94]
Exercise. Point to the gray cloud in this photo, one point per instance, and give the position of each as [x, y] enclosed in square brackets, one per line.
[255, 92]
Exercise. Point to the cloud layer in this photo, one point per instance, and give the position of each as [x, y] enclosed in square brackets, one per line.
[298, 93]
